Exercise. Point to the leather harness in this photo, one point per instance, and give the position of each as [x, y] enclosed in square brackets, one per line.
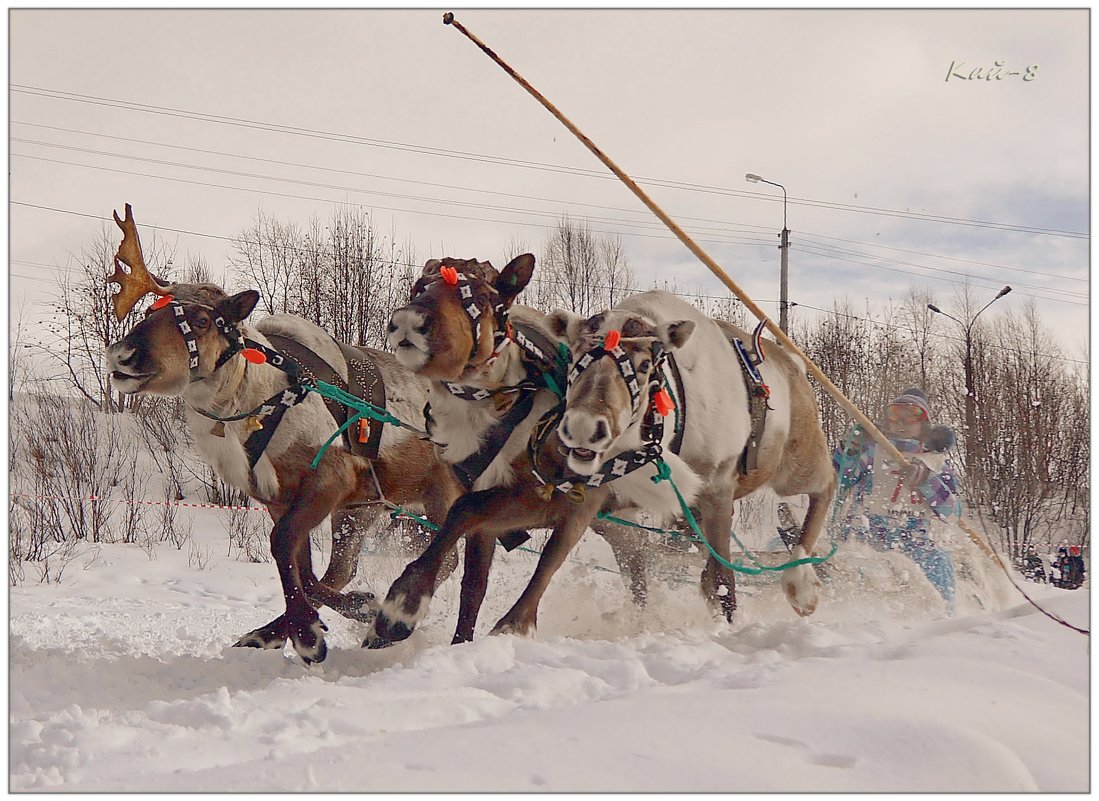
[364, 381]
[758, 393]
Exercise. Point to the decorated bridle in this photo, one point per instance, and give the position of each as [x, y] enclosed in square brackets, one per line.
[652, 424]
[543, 362]
[252, 351]
[452, 277]
[140, 282]
[611, 346]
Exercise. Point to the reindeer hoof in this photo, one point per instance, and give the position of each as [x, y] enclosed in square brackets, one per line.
[802, 588]
[361, 607]
[390, 631]
[271, 636]
[308, 641]
[516, 627]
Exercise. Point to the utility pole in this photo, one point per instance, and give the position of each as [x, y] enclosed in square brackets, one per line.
[784, 246]
[970, 389]
[784, 278]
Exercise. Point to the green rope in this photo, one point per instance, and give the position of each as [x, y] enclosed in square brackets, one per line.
[664, 474]
[362, 409]
[399, 511]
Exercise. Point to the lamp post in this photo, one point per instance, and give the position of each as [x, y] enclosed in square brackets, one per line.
[784, 246]
[970, 397]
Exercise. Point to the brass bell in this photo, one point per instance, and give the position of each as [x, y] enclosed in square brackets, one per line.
[576, 494]
[501, 399]
[252, 424]
[545, 492]
[218, 430]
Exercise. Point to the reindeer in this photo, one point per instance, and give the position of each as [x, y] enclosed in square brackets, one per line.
[488, 360]
[604, 448]
[268, 427]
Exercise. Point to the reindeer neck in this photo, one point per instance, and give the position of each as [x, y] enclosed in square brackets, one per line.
[236, 386]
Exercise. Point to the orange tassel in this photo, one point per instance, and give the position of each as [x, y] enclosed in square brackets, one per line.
[254, 356]
[364, 430]
[610, 342]
[160, 303]
[450, 275]
[663, 402]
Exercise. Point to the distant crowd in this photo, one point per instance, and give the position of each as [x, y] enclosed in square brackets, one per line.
[1067, 570]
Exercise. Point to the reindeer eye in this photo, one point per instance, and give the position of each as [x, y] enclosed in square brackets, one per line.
[644, 366]
[202, 321]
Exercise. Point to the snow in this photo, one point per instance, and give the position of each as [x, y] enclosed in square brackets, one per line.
[121, 679]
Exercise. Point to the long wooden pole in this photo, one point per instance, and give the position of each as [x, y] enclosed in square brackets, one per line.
[779, 334]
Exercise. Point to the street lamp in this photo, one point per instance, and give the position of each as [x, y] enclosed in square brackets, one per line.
[784, 246]
[970, 397]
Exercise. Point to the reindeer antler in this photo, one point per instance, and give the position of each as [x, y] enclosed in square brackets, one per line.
[138, 282]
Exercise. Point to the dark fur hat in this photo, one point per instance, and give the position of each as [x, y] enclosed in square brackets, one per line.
[939, 438]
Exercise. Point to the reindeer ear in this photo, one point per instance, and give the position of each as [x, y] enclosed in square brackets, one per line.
[676, 333]
[565, 325]
[515, 277]
[239, 306]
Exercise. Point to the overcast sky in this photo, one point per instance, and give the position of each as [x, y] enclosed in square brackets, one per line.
[201, 118]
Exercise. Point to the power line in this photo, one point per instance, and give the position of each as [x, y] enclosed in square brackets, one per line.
[730, 239]
[931, 277]
[651, 225]
[744, 226]
[948, 258]
[244, 239]
[845, 251]
[479, 157]
[483, 191]
[837, 313]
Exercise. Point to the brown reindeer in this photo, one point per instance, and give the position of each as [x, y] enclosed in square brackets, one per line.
[612, 430]
[259, 427]
[487, 359]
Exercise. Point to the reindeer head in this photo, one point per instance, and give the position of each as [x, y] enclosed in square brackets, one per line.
[179, 341]
[450, 324]
[612, 370]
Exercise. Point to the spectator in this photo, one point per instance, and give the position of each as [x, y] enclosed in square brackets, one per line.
[1032, 566]
[893, 504]
[1071, 565]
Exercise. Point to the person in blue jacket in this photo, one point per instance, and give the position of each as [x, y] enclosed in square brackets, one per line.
[893, 504]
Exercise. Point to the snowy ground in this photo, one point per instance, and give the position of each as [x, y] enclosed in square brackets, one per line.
[121, 680]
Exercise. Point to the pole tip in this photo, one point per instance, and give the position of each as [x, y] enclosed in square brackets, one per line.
[448, 18]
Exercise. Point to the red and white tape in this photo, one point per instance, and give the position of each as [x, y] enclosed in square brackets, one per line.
[135, 502]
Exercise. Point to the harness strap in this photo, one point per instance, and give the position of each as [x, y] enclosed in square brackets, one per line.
[271, 414]
[758, 393]
[625, 367]
[470, 469]
[676, 445]
[188, 334]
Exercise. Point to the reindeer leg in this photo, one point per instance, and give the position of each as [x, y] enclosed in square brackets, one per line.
[479, 550]
[407, 602]
[801, 585]
[632, 556]
[522, 618]
[274, 634]
[718, 581]
[314, 501]
[348, 531]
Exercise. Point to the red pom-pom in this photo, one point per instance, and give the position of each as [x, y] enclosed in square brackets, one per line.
[161, 302]
[610, 341]
[450, 275]
[663, 402]
[254, 356]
